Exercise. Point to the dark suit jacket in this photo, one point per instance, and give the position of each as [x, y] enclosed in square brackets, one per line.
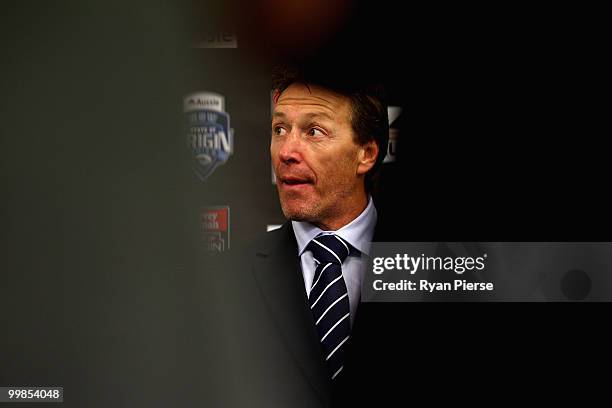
[274, 354]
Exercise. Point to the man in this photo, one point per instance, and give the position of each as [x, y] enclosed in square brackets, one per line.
[329, 137]
[327, 141]
[290, 307]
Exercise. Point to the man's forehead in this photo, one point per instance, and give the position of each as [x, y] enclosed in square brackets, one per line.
[311, 97]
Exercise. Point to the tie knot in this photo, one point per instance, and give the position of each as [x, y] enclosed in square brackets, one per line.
[329, 249]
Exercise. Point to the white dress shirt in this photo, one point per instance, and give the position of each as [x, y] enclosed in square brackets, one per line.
[358, 233]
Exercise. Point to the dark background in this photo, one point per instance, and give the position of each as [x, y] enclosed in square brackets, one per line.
[502, 138]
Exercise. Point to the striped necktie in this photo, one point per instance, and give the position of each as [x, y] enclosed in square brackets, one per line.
[329, 301]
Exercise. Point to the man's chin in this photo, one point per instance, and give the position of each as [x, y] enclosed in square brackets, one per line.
[298, 214]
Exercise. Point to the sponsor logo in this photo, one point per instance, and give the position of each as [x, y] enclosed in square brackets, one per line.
[394, 113]
[218, 40]
[215, 223]
[209, 135]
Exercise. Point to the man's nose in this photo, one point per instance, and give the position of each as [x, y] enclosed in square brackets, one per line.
[291, 148]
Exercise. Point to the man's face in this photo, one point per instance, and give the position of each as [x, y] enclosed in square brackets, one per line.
[319, 166]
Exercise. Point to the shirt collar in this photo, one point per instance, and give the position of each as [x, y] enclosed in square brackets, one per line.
[358, 233]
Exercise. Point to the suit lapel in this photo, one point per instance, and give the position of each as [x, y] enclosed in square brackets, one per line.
[278, 273]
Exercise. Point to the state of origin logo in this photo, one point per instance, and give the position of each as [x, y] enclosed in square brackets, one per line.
[209, 135]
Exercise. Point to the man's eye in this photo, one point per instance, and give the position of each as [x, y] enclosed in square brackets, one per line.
[279, 131]
[315, 132]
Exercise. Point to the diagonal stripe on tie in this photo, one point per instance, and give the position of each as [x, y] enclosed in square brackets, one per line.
[325, 289]
[320, 274]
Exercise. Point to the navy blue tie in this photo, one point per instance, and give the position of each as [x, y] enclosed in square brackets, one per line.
[329, 301]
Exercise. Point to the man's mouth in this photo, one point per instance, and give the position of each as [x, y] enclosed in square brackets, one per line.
[292, 181]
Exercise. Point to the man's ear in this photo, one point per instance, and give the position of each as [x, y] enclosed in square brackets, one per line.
[368, 154]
